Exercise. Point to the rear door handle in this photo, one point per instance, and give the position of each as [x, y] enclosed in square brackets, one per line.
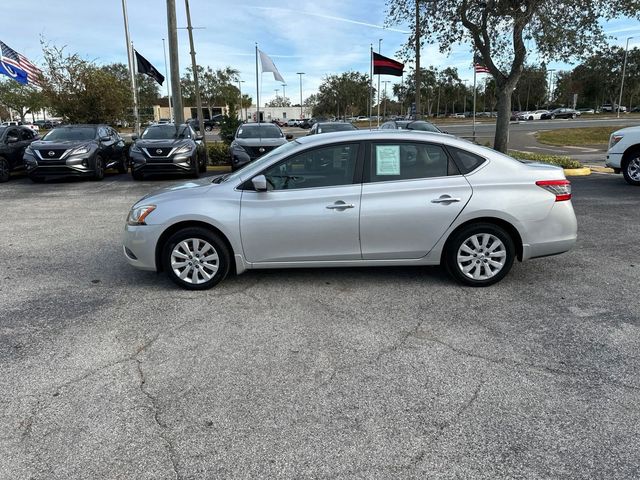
[340, 205]
[446, 199]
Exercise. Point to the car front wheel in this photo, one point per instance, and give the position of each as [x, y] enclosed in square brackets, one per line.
[480, 255]
[631, 170]
[196, 259]
[5, 171]
[98, 170]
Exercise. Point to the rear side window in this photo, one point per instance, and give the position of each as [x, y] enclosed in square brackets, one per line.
[409, 161]
[467, 162]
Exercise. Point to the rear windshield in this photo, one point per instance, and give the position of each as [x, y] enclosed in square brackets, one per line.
[335, 127]
[422, 126]
[259, 131]
[165, 132]
[71, 133]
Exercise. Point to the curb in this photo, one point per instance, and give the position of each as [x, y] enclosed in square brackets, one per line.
[218, 168]
[602, 169]
[577, 172]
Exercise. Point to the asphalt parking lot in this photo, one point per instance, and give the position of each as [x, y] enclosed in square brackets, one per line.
[109, 372]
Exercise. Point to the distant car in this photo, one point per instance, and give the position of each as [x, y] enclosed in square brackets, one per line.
[362, 118]
[532, 114]
[168, 148]
[635, 109]
[292, 122]
[212, 122]
[279, 123]
[589, 111]
[307, 123]
[623, 154]
[419, 125]
[458, 115]
[560, 113]
[328, 127]
[253, 140]
[33, 127]
[608, 108]
[14, 141]
[76, 150]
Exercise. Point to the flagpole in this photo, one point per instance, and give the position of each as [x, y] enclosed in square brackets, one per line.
[131, 65]
[370, 82]
[257, 88]
[166, 72]
[136, 112]
[474, 101]
[378, 92]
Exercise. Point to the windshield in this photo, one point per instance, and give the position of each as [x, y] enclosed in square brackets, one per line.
[423, 127]
[259, 131]
[165, 132]
[71, 133]
[261, 161]
[335, 127]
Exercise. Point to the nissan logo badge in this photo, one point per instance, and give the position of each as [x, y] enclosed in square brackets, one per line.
[159, 151]
[261, 150]
[52, 153]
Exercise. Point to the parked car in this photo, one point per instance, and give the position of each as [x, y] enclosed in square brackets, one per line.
[560, 113]
[635, 109]
[421, 125]
[279, 123]
[623, 154]
[32, 126]
[168, 148]
[415, 199]
[44, 124]
[588, 111]
[532, 114]
[307, 123]
[76, 150]
[13, 143]
[253, 140]
[212, 122]
[458, 115]
[293, 122]
[608, 108]
[328, 127]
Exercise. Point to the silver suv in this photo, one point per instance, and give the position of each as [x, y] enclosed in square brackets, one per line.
[360, 198]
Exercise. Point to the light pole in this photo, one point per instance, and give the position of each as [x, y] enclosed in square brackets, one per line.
[624, 69]
[277, 90]
[300, 73]
[550, 86]
[284, 91]
[379, 53]
[464, 105]
[384, 114]
[166, 74]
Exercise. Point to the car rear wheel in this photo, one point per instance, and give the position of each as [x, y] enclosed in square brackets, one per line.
[5, 171]
[137, 175]
[196, 259]
[98, 169]
[573, 116]
[480, 255]
[552, 117]
[203, 165]
[631, 170]
[123, 165]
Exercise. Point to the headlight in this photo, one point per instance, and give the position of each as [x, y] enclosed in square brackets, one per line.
[82, 150]
[29, 150]
[137, 215]
[135, 149]
[184, 149]
[235, 146]
[614, 139]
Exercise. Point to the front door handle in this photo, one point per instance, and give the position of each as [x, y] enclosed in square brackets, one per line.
[340, 205]
[446, 199]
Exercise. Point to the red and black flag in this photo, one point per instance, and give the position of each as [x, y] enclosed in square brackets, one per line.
[144, 66]
[386, 66]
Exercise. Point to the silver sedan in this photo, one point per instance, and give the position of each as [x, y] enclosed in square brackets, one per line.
[352, 199]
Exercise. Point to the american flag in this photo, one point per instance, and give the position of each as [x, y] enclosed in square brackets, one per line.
[479, 65]
[11, 57]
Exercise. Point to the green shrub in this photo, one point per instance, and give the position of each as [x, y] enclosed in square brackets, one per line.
[559, 160]
[228, 127]
[218, 153]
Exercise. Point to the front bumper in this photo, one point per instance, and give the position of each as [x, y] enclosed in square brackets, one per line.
[614, 160]
[73, 166]
[185, 164]
[139, 245]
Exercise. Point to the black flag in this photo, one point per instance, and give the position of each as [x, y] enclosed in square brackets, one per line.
[386, 66]
[144, 66]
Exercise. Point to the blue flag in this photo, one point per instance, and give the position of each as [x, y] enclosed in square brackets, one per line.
[10, 64]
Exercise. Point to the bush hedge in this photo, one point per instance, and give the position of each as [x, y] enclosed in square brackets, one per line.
[559, 160]
[218, 153]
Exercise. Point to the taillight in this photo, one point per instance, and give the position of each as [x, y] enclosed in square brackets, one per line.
[560, 188]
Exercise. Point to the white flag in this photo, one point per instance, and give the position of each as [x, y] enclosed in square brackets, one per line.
[269, 66]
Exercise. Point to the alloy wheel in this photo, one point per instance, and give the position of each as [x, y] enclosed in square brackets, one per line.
[194, 261]
[481, 256]
[633, 169]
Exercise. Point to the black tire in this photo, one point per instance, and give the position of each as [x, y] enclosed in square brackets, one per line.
[552, 117]
[195, 168]
[223, 261]
[478, 262]
[573, 116]
[5, 170]
[137, 175]
[203, 166]
[98, 168]
[208, 128]
[631, 170]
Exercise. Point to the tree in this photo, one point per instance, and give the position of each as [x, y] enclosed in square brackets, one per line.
[22, 99]
[500, 31]
[279, 102]
[532, 88]
[80, 92]
[217, 87]
[148, 88]
[347, 93]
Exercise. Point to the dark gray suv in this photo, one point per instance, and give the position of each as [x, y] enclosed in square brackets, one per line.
[252, 140]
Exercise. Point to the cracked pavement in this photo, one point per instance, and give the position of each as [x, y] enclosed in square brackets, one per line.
[108, 372]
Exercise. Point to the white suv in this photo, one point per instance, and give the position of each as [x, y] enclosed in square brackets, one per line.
[624, 154]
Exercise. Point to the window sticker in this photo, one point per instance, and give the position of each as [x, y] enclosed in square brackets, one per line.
[387, 159]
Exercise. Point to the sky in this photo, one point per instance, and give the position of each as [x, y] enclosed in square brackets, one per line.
[318, 38]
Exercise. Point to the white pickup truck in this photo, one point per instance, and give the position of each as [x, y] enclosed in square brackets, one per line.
[624, 154]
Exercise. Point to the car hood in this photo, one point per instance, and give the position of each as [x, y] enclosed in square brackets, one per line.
[162, 143]
[627, 131]
[55, 144]
[190, 188]
[260, 142]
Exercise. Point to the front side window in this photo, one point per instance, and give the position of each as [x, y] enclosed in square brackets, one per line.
[408, 161]
[321, 167]
[27, 134]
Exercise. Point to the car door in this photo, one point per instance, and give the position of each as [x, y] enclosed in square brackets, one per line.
[310, 210]
[26, 137]
[106, 144]
[118, 144]
[411, 193]
[15, 146]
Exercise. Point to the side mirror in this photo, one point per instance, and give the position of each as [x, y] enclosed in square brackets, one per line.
[134, 137]
[259, 183]
[105, 138]
[289, 136]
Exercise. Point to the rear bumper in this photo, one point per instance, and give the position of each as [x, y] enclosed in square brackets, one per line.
[555, 234]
